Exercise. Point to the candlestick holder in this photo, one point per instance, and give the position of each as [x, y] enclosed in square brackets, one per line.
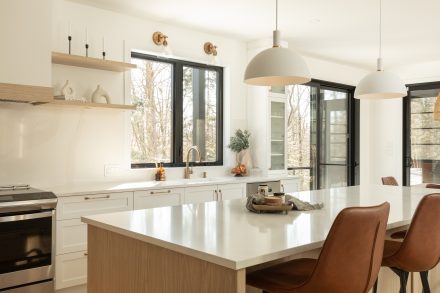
[70, 42]
[103, 55]
[87, 50]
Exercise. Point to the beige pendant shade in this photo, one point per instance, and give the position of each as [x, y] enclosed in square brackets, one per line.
[437, 108]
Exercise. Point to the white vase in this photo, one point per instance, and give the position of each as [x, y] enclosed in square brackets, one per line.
[67, 91]
[100, 96]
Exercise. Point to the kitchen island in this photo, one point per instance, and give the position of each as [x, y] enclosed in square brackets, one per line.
[209, 247]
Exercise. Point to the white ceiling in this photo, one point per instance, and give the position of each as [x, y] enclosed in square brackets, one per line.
[342, 30]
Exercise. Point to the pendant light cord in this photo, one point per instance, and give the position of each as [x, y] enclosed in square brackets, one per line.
[276, 14]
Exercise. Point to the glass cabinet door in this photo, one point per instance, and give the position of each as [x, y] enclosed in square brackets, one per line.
[277, 135]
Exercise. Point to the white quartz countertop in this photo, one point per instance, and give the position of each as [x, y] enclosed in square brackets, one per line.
[105, 187]
[227, 234]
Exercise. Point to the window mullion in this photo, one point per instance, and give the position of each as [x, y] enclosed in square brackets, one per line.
[178, 113]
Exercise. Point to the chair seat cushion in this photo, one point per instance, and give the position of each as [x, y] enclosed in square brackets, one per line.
[282, 277]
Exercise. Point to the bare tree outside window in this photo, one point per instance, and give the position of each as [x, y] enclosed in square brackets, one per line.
[151, 87]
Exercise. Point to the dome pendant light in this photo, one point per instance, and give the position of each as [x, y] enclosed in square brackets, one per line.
[277, 66]
[380, 84]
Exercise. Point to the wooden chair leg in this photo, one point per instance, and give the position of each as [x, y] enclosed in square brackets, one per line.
[403, 278]
[425, 283]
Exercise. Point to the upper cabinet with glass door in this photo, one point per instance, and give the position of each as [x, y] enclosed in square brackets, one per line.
[277, 131]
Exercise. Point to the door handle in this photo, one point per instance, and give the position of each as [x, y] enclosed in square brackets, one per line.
[221, 194]
[97, 197]
[216, 194]
[160, 192]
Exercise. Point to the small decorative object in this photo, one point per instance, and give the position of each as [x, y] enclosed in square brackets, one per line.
[239, 144]
[160, 172]
[67, 91]
[87, 43]
[103, 48]
[100, 96]
[69, 36]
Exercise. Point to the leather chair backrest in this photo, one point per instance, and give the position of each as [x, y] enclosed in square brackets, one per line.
[431, 185]
[420, 250]
[390, 180]
[352, 253]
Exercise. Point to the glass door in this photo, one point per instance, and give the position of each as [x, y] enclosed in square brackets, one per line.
[322, 135]
[421, 135]
[277, 135]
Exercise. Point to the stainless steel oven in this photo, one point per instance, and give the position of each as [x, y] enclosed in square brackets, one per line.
[27, 240]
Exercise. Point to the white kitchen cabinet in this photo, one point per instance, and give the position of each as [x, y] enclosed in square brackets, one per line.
[158, 198]
[74, 207]
[199, 194]
[289, 185]
[231, 191]
[202, 194]
[70, 269]
[71, 236]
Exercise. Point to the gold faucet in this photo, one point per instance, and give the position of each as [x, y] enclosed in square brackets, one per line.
[188, 169]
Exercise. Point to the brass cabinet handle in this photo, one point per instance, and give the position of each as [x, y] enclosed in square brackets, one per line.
[97, 197]
[160, 192]
[86, 253]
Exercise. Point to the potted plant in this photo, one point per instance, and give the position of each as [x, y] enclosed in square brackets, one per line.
[240, 145]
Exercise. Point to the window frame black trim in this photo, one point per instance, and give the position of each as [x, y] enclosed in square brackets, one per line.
[177, 132]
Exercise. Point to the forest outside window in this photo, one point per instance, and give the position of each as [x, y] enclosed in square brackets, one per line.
[178, 105]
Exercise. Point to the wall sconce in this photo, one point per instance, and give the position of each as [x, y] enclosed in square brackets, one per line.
[210, 48]
[160, 39]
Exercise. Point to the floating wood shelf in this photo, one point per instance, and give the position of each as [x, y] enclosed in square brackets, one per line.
[62, 103]
[25, 93]
[88, 62]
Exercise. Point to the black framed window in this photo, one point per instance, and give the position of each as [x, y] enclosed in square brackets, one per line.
[421, 135]
[179, 104]
[323, 134]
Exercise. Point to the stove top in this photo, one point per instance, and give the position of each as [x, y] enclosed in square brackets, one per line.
[15, 194]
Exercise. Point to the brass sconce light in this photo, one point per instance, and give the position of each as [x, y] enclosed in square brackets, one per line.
[210, 48]
[160, 39]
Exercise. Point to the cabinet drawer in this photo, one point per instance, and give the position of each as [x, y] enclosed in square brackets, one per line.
[158, 198]
[201, 194]
[231, 191]
[70, 269]
[74, 207]
[71, 236]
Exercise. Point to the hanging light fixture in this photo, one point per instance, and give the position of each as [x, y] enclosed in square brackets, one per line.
[380, 84]
[437, 108]
[277, 66]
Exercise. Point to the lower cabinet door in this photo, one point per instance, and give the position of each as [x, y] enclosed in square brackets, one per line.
[289, 185]
[71, 236]
[70, 269]
[200, 194]
[231, 191]
[158, 198]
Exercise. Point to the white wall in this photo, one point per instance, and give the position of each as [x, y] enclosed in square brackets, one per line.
[25, 42]
[47, 146]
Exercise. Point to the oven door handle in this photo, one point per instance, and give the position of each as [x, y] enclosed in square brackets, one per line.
[16, 218]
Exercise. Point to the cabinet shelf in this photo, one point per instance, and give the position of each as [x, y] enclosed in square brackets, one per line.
[277, 117]
[89, 62]
[277, 155]
[62, 103]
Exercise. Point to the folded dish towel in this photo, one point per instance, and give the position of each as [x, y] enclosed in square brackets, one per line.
[303, 205]
[297, 204]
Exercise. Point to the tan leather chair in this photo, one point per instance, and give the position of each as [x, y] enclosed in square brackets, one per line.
[434, 186]
[420, 250]
[390, 180]
[349, 260]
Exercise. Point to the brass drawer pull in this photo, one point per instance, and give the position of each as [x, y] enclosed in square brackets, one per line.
[98, 197]
[86, 253]
[160, 192]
